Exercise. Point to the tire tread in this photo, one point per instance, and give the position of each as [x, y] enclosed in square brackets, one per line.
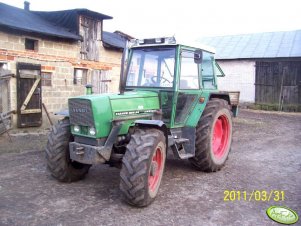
[135, 166]
[57, 156]
[202, 160]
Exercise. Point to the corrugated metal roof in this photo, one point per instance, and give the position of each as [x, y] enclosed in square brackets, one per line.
[113, 40]
[258, 45]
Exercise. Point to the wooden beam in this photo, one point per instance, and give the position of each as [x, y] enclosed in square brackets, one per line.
[29, 95]
[29, 76]
[30, 111]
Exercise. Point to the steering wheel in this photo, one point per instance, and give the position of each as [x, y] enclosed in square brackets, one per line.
[161, 79]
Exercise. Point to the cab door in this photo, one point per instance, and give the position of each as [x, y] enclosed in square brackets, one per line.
[189, 86]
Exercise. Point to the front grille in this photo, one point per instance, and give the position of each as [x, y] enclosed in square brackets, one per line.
[80, 111]
[89, 141]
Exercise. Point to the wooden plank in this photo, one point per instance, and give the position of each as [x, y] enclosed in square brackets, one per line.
[98, 32]
[95, 81]
[91, 33]
[29, 95]
[104, 75]
[29, 76]
[30, 111]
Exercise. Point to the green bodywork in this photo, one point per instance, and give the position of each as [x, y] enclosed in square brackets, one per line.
[109, 107]
[143, 101]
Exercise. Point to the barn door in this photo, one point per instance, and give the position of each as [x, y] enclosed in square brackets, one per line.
[278, 84]
[29, 93]
[268, 80]
[100, 81]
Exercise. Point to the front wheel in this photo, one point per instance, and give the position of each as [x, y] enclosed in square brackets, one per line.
[143, 166]
[58, 159]
[213, 136]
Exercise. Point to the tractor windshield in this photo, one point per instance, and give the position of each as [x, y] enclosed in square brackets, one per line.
[152, 67]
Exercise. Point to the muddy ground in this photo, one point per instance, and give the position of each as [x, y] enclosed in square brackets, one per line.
[266, 155]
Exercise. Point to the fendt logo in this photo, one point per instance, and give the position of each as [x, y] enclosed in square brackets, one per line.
[80, 110]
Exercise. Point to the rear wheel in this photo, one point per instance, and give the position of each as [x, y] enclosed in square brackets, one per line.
[143, 166]
[213, 136]
[58, 159]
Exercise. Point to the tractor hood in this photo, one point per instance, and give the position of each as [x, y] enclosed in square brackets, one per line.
[100, 110]
[134, 103]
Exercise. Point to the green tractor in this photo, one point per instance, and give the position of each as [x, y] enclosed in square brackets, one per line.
[168, 101]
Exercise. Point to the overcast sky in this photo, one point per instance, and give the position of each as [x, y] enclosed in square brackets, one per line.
[187, 19]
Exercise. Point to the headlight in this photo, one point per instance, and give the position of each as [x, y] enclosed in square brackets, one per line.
[76, 129]
[92, 131]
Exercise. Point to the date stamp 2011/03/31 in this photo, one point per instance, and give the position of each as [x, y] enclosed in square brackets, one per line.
[255, 195]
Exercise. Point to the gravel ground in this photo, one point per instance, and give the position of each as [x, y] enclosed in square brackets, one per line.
[266, 155]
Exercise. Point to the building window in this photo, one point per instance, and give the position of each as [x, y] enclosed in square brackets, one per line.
[80, 76]
[46, 78]
[31, 44]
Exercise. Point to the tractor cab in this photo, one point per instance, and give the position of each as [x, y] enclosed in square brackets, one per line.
[178, 73]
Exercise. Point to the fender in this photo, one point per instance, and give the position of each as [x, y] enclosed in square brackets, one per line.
[154, 124]
[226, 96]
[220, 95]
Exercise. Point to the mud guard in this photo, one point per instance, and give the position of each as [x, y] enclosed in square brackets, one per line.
[231, 97]
[154, 124]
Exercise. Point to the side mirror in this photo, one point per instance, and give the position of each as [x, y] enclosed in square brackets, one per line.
[198, 56]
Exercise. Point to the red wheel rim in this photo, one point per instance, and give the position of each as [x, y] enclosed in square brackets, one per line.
[155, 169]
[220, 139]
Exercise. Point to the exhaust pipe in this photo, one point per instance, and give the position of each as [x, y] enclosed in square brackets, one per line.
[122, 80]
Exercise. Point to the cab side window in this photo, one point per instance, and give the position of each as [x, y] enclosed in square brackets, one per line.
[208, 71]
[189, 78]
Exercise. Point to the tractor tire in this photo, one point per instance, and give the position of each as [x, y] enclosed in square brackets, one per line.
[58, 159]
[213, 136]
[143, 166]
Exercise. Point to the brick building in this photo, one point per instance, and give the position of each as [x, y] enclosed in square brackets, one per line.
[53, 55]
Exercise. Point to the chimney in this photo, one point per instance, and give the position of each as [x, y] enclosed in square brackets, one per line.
[26, 5]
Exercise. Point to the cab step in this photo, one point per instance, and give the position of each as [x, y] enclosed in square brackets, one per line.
[182, 148]
[182, 142]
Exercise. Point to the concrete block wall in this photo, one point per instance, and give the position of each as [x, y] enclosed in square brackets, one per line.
[16, 43]
[53, 56]
[114, 57]
[240, 76]
[59, 58]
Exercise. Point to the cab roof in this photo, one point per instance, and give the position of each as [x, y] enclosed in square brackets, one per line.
[168, 41]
